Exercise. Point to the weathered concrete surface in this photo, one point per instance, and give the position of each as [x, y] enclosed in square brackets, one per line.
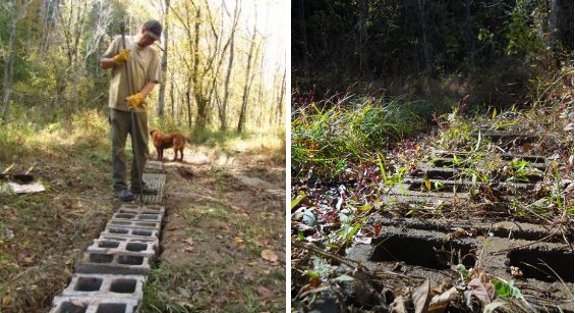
[421, 249]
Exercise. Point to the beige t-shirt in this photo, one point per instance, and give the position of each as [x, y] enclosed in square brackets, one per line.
[144, 67]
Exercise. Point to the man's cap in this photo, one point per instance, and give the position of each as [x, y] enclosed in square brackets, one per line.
[154, 28]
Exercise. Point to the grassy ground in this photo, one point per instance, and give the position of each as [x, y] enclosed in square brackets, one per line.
[43, 235]
[224, 236]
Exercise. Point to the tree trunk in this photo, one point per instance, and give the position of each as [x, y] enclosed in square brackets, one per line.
[281, 99]
[201, 105]
[9, 63]
[362, 42]
[303, 41]
[424, 45]
[222, 109]
[247, 85]
[467, 26]
[164, 64]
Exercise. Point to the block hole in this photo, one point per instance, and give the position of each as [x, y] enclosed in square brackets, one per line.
[88, 284]
[111, 308]
[130, 260]
[108, 244]
[119, 222]
[536, 263]
[142, 233]
[123, 286]
[127, 216]
[118, 231]
[135, 246]
[430, 253]
[146, 224]
[449, 163]
[418, 185]
[154, 208]
[100, 258]
[69, 307]
[148, 216]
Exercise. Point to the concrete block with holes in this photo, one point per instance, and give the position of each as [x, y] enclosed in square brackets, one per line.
[133, 263]
[127, 232]
[150, 225]
[63, 304]
[106, 286]
[136, 208]
[137, 217]
[143, 247]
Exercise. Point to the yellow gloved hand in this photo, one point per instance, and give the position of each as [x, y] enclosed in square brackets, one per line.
[122, 57]
[136, 101]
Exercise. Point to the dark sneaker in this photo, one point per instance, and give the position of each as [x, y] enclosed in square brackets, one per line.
[125, 195]
[147, 190]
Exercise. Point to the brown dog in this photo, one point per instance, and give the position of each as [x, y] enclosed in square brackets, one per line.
[164, 141]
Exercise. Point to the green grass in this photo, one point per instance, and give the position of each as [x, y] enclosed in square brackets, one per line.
[327, 135]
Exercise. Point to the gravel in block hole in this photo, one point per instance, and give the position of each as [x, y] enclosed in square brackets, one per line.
[100, 258]
[108, 244]
[111, 308]
[69, 307]
[123, 286]
[544, 265]
[130, 260]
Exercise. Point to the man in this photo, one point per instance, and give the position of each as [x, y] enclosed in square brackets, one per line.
[143, 63]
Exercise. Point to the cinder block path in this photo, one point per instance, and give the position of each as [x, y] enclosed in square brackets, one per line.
[110, 276]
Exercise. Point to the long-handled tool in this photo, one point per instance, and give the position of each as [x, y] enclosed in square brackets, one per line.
[133, 118]
[24, 178]
[4, 174]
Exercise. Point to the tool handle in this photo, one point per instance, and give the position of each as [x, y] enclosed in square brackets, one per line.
[128, 77]
[8, 169]
[31, 168]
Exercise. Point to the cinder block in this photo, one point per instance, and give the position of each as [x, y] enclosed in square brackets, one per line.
[154, 167]
[130, 232]
[147, 248]
[114, 263]
[154, 240]
[149, 208]
[106, 286]
[63, 304]
[136, 224]
[137, 217]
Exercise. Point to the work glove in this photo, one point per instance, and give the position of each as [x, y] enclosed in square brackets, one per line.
[121, 57]
[136, 101]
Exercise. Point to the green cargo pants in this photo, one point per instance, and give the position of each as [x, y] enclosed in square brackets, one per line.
[121, 125]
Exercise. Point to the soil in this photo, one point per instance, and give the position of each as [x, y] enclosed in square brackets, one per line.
[222, 212]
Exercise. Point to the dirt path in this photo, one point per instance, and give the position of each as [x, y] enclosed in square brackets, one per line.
[223, 242]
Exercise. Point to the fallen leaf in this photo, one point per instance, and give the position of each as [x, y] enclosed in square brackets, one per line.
[265, 293]
[377, 229]
[238, 241]
[440, 302]
[483, 291]
[189, 241]
[269, 255]
[420, 297]
[398, 305]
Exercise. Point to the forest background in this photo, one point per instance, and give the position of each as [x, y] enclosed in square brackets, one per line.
[495, 51]
[223, 65]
